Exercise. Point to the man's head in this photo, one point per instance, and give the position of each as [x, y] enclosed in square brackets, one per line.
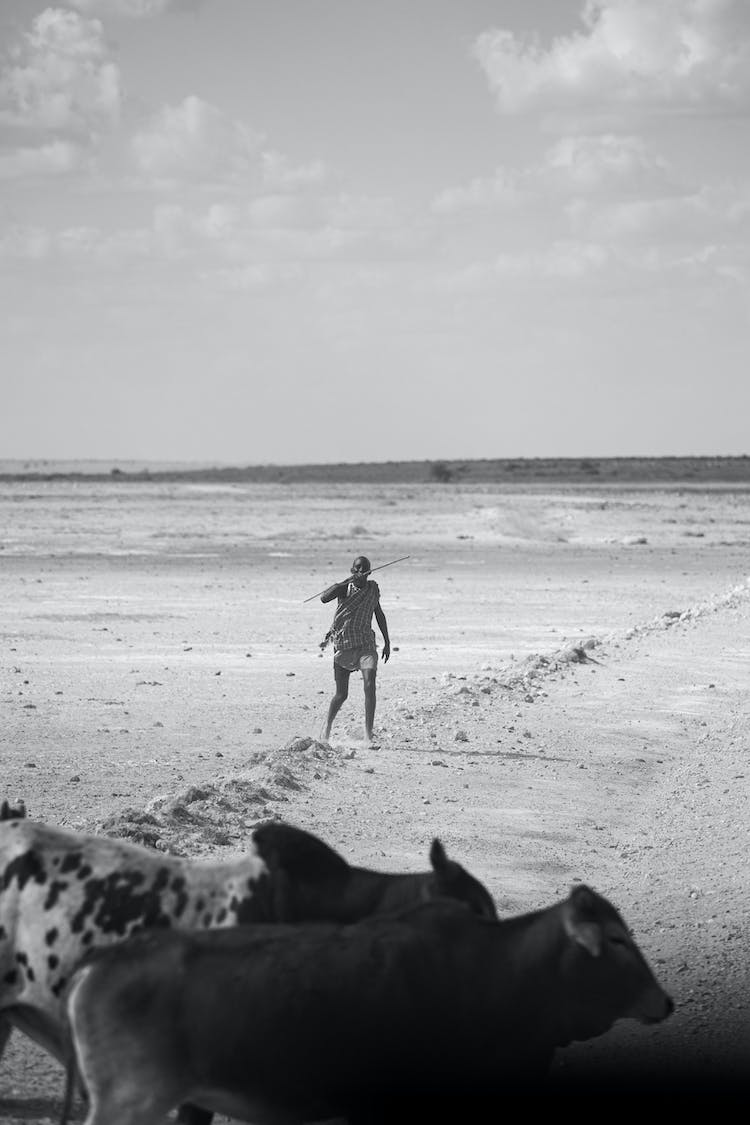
[360, 569]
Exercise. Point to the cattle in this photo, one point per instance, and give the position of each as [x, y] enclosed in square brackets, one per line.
[12, 812]
[312, 882]
[393, 1017]
[63, 893]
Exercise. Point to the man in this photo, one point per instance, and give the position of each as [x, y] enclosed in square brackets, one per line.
[353, 639]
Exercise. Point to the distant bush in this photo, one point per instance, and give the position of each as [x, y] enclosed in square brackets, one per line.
[587, 466]
[440, 472]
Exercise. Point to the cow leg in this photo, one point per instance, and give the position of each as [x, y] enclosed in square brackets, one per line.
[194, 1115]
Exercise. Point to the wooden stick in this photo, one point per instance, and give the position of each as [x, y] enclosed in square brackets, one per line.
[381, 567]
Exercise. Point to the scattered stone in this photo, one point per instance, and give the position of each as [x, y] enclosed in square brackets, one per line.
[198, 793]
[298, 744]
[217, 836]
[286, 779]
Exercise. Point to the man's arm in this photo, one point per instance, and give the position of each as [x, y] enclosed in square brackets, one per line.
[337, 590]
[383, 626]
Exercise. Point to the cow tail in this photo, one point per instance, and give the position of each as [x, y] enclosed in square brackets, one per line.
[70, 1085]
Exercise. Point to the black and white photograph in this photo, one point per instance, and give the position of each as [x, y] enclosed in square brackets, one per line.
[374, 560]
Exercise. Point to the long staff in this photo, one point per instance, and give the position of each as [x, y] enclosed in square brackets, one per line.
[381, 567]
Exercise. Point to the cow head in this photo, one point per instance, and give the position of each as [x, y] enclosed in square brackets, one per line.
[13, 812]
[605, 972]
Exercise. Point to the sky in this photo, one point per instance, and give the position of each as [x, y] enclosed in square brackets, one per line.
[291, 231]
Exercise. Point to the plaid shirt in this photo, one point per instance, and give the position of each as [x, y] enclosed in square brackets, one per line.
[352, 621]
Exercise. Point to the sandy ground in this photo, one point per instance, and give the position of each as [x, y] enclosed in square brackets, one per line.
[566, 701]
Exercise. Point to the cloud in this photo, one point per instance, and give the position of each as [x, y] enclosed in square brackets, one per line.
[567, 265]
[58, 158]
[256, 234]
[60, 78]
[711, 214]
[615, 163]
[134, 9]
[500, 190]
[281, 174]
[36, 244]
[275, 229]
[30, 242]
[564, 260]
[262, 276]
[195, 140]
[683, 54]
[575, 165]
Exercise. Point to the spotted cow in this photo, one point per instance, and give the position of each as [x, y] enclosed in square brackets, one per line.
[430, 1013]
[63, 893]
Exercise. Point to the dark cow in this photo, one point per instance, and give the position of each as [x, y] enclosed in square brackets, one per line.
[63, 893]
[312, 882]
[408, 1013]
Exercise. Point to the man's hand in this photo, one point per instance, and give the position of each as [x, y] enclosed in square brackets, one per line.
[386, 652]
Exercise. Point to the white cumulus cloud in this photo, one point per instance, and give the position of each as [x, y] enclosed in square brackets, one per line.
[499, 190]
[195, 140]
[607, 164]
[60, 77]
[57, 158]
[645, 53]
[613, 162]
[720, 212]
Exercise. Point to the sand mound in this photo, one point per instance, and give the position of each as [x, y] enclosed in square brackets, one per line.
[207, 816]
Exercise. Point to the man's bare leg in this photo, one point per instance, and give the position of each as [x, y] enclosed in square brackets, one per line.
[341, 676]
[368, 677]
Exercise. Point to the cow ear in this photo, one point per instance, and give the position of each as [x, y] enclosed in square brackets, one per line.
[583, 933]
[438, 858]
[589, 935]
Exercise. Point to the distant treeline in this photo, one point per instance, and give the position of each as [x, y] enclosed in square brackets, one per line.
[514, 470]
